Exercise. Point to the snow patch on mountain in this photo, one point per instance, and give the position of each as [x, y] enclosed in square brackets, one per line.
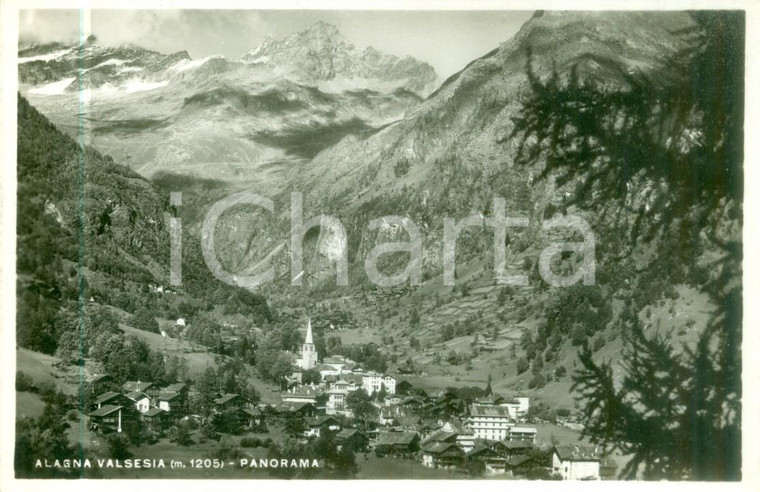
[47, 57]
[54, 88]
[138, 85]
[185, 65]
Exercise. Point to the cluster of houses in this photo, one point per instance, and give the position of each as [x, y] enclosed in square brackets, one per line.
[442, 431]
[135, 401]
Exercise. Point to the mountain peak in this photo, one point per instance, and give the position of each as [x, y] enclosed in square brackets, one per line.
[320, 34]
[322, 27]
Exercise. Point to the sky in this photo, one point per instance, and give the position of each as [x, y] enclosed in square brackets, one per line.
[448, 40]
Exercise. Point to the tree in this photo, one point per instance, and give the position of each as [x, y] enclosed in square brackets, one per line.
[382, 394]
[676, 132]
[144, 320]
[522, 365]
[118, 447]
[361, 405]
[311, 376]
[294, 426]
[414, 318]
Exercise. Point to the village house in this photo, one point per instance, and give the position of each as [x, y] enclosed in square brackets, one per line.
[169, 402]
[352, 439]
[316, 425]
[157, 419]
[229, 401]
[519, 464]
[440, 436]
[489, 422]
[100, 383]
[514, 448]
[302, 394]
[178, 405]
[526, 434]
[484, 452]
[112, 398]
[327, 370]
[442, 455]
[110, 418]
[336, 401]
[292, 409]
[139, 400]
[576, 462]
[397, 443]
[150, 389]
[465, 436]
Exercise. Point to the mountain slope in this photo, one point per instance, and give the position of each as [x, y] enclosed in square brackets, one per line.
[449, 158]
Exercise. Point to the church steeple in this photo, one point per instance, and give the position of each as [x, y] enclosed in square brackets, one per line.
[309, 354]
[309, 338]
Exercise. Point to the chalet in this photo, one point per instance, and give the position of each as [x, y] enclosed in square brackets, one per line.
[489, 422]
[515, 448]
[397, 443]
[352, 439]
[149, 389]
[112, 398]
[390, 415]
[519, 464]
[405, 422]
[139, 400]
[465, 436]
[255, 419]
[440, 436]
[576, 462]
[109, 418]
[156, 419]
[292, 410]
[178, 405]
[230, 400]
[442, 455]
[428, 428]
[315, 425]
[483, 452]
[526, 434]
[99, 383]
[412, 403]
[170, 401]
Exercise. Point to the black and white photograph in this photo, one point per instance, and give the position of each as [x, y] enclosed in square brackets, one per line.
[377, 244]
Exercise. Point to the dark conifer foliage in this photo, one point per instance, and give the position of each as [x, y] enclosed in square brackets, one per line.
[658, 155]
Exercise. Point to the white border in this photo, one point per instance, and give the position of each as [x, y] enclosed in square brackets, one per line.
[751, 338]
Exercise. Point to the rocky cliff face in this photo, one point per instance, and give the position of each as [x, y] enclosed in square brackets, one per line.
[320, 54]
[244, 121]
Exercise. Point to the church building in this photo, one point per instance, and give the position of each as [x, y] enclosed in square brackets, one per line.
[308, 358]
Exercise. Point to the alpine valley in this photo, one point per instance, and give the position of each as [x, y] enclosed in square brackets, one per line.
[365, 135]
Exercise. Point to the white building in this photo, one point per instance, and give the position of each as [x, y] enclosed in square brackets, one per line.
[308, 358]
[336, 401]
[141, 401]
[372, 382]
[490, 422]
[302, 394]
[576, 462]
